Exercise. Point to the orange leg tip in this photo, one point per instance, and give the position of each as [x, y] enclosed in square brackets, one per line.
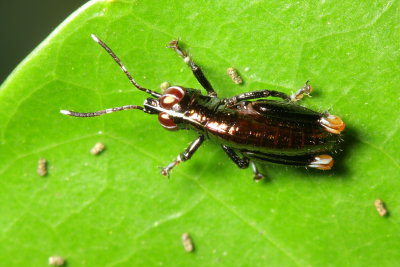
[322, 162]
[332, 124]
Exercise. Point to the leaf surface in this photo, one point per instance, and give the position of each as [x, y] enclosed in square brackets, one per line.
[116, 209]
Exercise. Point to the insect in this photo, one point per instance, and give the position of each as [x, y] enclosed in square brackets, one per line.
[248, 127]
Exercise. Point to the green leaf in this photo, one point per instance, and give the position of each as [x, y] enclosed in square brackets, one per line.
[115, 209]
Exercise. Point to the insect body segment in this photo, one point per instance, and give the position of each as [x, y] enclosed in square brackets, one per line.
[248, 127]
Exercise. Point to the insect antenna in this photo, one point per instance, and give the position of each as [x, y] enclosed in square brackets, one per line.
[123, 68]
[100, 112]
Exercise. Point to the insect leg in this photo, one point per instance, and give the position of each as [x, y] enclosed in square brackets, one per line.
[242, 163]
[198, 73]
[185, 155]
[320, 162]
[231, 101]
[332, 123]
[305, 90]
[257, 175]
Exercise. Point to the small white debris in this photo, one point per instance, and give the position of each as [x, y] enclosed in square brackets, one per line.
[232, 72]
[97, 149]
[56, 261]
[164, 86]
[382, 211]
[42, 167]
[187, 242]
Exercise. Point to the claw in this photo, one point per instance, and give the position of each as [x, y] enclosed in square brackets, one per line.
[258, 177]
[305, 90]
[165, 171]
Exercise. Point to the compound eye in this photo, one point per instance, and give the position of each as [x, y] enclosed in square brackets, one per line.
[173, 95]
[167, 122]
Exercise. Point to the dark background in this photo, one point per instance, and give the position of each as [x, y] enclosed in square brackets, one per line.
[24, 24]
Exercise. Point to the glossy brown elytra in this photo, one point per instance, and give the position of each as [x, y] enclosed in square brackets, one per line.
[248, 127]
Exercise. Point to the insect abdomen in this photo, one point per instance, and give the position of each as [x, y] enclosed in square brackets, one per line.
[276, 134]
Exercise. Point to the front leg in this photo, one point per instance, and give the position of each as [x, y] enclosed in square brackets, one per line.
[198, 73]
[185, 155]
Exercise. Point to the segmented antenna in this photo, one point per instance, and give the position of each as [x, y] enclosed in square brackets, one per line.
[118, 61]
[100, 112]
